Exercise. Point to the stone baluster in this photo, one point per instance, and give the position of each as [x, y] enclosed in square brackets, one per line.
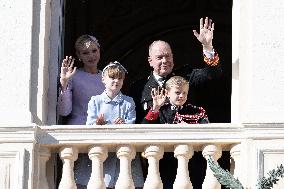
[153, 154]
[125, 153]
[98, 155]
[44, 155]
[236, 165]
[210, 181]
[68, 155]
[183, 153]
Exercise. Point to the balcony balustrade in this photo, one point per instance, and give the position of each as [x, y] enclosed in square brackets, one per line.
[250, 146]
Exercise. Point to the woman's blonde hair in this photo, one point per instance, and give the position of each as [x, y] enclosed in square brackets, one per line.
[176, 81]
[83, 39]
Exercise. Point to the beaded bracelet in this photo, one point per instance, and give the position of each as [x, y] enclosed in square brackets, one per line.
[212, 61]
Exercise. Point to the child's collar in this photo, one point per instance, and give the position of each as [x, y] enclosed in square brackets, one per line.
[117, 98]
[175, 107]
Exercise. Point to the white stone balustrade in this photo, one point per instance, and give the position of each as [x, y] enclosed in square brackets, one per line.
[153, 153]
[68, 155]
[210, 181]
[44, 155]
[255, 149]
[125, 154]
[98, 155]
[183, 153]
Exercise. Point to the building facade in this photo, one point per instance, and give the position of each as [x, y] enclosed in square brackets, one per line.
[31, 45]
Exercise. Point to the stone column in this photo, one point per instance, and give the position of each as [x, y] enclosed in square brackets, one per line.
[44, 155]
[98, 155]
[210, 181]
[183, 153]
[153, 153]
[68, 155]
[125, 153]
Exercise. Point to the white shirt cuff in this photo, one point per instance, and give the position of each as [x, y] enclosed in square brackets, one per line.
[209, 54]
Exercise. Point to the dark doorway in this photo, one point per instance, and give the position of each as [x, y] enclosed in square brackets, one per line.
[125, 28]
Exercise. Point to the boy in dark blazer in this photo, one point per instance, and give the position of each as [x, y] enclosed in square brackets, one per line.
[169, 105]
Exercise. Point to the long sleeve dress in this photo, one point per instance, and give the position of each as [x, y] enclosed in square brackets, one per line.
[73, 102]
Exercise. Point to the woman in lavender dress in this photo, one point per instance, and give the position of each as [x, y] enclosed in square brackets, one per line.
[79, 85]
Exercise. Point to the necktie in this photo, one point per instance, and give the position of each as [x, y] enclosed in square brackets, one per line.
[162, 80]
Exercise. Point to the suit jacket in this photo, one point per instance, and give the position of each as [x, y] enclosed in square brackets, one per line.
[140, 90]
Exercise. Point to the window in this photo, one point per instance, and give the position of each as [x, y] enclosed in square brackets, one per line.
[126, 28]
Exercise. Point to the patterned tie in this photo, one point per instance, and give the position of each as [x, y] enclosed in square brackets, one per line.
[162, 80]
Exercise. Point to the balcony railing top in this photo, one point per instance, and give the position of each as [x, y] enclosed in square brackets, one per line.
[224, 134]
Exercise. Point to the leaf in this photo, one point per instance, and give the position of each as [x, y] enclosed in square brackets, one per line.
[273, 175]
[224, 177]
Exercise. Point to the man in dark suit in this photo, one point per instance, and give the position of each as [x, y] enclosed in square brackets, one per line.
[161, 60]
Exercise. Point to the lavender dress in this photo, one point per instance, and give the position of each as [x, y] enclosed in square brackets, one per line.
[74, 100]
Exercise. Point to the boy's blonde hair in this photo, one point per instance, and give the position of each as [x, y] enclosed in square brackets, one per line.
[176, 81]
[115, 70]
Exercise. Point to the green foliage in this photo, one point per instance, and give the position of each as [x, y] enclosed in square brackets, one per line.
[227, 179]
[224, 177]
[273, 175]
